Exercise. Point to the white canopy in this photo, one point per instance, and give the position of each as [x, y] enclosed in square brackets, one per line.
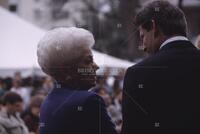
[18, 46]
[18, 42]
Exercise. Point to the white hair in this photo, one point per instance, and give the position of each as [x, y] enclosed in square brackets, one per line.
[62, 46]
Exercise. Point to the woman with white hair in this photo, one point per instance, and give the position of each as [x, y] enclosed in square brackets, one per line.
[65, 54]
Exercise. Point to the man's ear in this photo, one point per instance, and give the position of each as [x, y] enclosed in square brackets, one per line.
[155, 28]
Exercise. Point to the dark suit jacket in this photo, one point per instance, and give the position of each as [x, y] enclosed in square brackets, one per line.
[66, 111]
[162, 93]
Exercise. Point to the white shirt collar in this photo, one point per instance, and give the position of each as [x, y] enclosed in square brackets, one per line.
[175, 38]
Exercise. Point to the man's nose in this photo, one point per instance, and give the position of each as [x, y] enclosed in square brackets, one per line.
[95, 66]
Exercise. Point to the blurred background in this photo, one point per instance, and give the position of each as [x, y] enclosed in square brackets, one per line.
[24, 22]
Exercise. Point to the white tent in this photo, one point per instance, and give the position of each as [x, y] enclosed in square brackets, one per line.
[18, 42]
[18, 47]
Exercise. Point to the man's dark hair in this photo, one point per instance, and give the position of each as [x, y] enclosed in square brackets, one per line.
[169, 19]
[11, 98]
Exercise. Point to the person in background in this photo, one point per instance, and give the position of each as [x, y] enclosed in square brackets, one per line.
[2, 90]
[10, 120]
[22, 91]
[116, 87]
[37, 83]
[114, 109]
[48, 84]
[31, 114]
[118, 101]
[17, 76]
[1, 103]
[7, 83]
[65, 54]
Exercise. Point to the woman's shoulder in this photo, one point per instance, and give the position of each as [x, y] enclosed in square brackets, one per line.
[87, 95]
[86, 98]
[94, 99]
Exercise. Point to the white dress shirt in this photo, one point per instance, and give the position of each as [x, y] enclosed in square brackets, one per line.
[175, 38]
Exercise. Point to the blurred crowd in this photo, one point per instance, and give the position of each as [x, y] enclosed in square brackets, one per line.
[21, 98]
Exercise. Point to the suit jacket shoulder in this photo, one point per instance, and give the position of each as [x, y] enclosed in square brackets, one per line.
[163, 89]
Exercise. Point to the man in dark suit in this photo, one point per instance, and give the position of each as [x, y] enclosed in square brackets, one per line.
[161, 94]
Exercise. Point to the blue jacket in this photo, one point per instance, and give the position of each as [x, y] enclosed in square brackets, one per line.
[66, 111]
